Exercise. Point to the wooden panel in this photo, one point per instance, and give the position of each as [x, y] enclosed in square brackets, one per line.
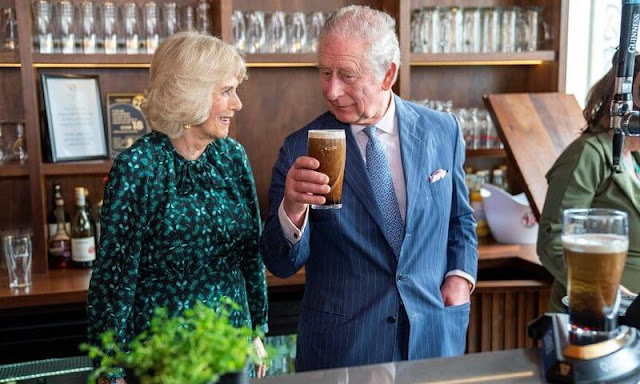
[474, 3]
[13, 170]
[535, 129]
[500, 312]
[497, 58]
[466, 86]
[15, 207]
[277, 102]
[95, 167]
[11, 107]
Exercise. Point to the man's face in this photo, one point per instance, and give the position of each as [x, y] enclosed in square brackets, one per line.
[349, 85]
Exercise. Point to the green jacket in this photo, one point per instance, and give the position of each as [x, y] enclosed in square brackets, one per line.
[582, 177]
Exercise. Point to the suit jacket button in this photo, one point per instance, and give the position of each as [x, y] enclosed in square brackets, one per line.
[391, 319]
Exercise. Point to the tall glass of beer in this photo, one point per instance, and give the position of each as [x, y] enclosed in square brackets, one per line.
[329, 147]
[595, 243]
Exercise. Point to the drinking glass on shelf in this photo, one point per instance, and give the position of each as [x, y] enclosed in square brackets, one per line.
[188, 18]
[508, 30]
[297, 32]
[109, 27]
[131, 28]
[66, 27]
[17, 255]
[533, 18]
[491, 29]
[276, 33]
[170, 23]
[9, 29]
[315, 25]
[450, 29]
[3, 144]
[88, 27]
[18, 150]
[151, 33]
[256, 35]
[239, 30]
[43, 26]
[522, 30]
[414, 38]
[203, 12]
[472, 24]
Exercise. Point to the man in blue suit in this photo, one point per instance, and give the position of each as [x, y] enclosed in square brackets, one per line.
[389, 275]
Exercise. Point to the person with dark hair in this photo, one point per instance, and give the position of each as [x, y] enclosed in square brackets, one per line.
[583, 177]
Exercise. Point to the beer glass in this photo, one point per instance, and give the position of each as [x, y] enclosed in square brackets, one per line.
[88, 27]
[109, 28]
[17, 255]
[329, 147]
[595, 243]
[43, 26]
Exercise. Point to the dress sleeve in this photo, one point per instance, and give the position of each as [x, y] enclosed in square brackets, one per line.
[124, 216]
[252, 265]
[573, 183]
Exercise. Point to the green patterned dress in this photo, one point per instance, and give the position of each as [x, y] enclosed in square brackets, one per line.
[176, 231]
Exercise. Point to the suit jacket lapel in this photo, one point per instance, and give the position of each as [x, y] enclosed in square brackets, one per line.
[414, 156]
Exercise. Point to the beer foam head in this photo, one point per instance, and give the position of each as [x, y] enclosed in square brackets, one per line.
[595, 243]
[326, 134]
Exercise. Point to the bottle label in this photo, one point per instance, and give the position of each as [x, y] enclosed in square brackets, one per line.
[83, 249]
[53, 228]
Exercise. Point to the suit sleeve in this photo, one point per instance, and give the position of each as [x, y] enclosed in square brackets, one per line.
[281, 257]
[573, 183]
[462, 246]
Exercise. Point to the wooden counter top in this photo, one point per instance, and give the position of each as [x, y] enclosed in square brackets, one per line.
[70, 286]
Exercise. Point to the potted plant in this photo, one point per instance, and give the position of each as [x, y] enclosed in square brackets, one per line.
[199, 347]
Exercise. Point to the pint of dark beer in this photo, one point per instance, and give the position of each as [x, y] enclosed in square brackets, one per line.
[595, 243]
[329, 147]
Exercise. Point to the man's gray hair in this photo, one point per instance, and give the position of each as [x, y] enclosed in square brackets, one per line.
[375, 27]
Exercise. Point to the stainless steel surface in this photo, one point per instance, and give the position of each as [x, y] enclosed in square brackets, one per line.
[512, 366]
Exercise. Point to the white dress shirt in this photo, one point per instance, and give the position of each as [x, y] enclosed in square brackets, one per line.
[387, 132]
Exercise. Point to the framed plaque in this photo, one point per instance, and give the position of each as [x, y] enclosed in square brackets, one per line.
[125, 120]
[75, 126]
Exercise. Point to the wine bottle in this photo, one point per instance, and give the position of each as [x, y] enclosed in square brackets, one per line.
[83, 241]
[52, 221]
[60, 243]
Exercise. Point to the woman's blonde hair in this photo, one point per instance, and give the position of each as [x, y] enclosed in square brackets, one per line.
[184, 71]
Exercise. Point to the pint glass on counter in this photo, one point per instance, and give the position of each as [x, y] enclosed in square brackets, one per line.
[329, 147]
[595, 243]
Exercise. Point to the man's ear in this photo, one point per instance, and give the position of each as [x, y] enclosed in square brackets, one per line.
[389, 76]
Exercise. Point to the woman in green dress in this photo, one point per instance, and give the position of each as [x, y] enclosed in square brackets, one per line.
[582, 177]
[180, 220]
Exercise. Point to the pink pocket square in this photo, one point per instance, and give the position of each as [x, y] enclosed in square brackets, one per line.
[437, 175]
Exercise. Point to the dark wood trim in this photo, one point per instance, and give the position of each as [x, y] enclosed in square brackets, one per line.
[12, 57]
[292, 59]
[95, 167]
[490, 152]
[13, 170]
[80, 59]
[32, 135]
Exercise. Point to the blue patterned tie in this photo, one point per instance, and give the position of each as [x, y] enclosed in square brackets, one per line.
[382, 184]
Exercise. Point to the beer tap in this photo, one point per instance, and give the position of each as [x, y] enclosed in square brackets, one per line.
[623, 119]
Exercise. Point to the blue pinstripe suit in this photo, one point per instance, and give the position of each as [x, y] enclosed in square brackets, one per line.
[354, 283]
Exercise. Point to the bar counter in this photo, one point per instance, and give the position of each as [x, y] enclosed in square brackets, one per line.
[521, 366]
[70, 286]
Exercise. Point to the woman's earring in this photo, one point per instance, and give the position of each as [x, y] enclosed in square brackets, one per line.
[186, 126]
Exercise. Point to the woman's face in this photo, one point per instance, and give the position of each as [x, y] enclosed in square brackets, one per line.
[224, 106]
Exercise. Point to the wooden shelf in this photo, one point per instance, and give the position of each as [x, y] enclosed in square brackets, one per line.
[491, 152]
[96, 167]
[13, 170]
[9, 59]
[469, 59]
[281, 60]
[58, 60]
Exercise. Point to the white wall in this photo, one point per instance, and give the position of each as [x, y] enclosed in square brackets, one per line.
[594, 33]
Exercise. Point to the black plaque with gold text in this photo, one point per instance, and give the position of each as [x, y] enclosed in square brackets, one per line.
[126, 121]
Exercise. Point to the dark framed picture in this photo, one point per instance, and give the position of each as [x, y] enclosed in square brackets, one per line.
[126, 122]
[75, 126]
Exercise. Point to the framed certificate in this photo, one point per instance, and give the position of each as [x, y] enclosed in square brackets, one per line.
[75, 126]
[125, 120]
